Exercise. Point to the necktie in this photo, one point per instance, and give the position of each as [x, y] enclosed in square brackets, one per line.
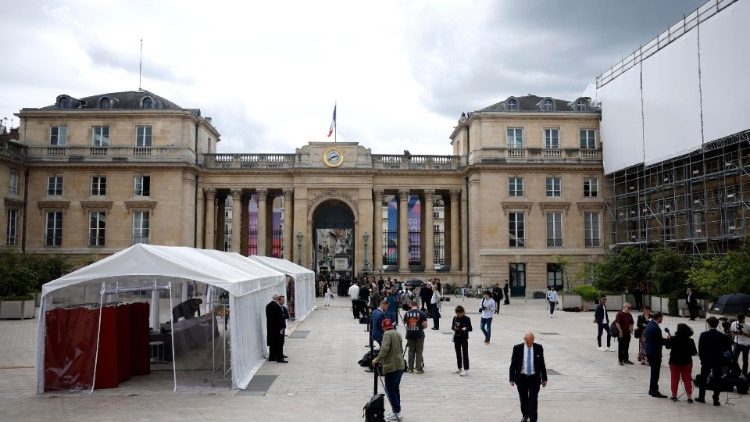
[528, 362]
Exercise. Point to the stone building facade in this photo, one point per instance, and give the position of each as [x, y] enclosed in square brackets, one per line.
[521, 194]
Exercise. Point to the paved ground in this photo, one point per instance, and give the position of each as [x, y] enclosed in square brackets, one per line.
[322, 382]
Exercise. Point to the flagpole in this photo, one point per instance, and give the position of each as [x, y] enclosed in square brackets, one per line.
[335, 123]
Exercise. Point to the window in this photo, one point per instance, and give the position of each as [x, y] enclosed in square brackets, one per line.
[517, 272]
[142, 185]
[53, 230]
[581, 105]
[515, 186]
[516, 229]
[98, 186]
[97, 228]
[554, 186]
[13, 189]
[143, 136]
[140, 227]
[511, 104]
[552, 138]
[54, 186]
[105, 103]
[64, 102]
[100, 136]
[547, 105]
[58, 135]
[591, 229]
[554, 229]
[515, 137]
[588, 140]
[147, 103]
[590, 187]
[12, 228]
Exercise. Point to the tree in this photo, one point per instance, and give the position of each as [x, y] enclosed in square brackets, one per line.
[622, 269]
[668, 271]
[723, 275]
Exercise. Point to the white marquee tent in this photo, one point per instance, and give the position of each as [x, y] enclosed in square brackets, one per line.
[156, 269]
[304, 283]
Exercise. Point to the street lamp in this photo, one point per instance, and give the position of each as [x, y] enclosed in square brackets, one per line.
[299, 247]
[365, 238]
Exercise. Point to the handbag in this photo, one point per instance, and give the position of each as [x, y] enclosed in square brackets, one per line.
[638, 332]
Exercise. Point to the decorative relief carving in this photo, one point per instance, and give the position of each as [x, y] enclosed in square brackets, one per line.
[318, 198]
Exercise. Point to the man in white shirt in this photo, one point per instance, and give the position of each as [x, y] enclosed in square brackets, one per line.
[552, 300]
[527, 372]
[741, 332]
[487, 310]
[354, 295]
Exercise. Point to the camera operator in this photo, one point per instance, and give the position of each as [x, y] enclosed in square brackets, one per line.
[741, 332]
[712, 345]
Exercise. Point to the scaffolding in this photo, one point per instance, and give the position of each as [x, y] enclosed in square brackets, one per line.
[697, 203]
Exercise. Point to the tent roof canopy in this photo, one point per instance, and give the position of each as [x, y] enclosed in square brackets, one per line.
[140, 262]
[282, 265]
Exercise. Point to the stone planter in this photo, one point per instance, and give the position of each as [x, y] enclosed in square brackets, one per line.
[571, 301]
[588, 305]
[17, 309]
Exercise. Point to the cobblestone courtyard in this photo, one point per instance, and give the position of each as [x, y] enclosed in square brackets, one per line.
[323, 382]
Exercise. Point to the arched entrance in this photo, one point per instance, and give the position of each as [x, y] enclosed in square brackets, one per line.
[333, 239]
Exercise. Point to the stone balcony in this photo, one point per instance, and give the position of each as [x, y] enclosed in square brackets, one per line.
[110, 153]
[14, 151]
[375, 161]
[536, 156]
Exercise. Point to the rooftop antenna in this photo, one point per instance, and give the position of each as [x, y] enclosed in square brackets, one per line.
[140, 68]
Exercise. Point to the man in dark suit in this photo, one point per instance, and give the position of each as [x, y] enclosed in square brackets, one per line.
[527, 372]
[712, 345]
[654, 341]
[692, 304]
[275, 330]
[601, 318]
[506, 292]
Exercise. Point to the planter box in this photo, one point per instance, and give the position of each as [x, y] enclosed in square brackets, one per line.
[571, 301]
[17, 309]
[615, 302]
[588, 305]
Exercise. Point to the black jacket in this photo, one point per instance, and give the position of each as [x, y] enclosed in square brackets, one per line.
[599, 315]
[516, 362]
[461, 322]
[683, 350]
[274, 320]
[711, 347]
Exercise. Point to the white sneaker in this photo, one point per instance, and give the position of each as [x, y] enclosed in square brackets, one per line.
[464, 373]
[609, 349]
[393, 417]
[601, 349]
[388, 415]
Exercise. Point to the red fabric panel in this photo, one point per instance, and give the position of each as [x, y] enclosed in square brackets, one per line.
[69, 349]
[140, 354]
[106, 365]
[123, 343]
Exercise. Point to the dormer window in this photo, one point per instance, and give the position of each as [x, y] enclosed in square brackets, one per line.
[105, 103]
[581, 104]
[511, 104]
[547, 105]
[147, 103]
[64, 102]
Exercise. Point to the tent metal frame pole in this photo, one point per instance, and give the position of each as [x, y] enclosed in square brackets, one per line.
[171, 319]
[98, 336]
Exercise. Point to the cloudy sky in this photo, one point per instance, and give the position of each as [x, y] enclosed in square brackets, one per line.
[268, 72]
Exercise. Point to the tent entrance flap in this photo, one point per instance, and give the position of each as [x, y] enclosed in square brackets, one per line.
[200, 336]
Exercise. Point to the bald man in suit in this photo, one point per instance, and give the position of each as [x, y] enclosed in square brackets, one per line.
[527, 373]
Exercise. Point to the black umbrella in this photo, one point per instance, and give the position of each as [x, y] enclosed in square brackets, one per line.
[415, 282]
[735, 303]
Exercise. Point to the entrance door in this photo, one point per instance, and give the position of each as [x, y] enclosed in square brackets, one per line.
[517, 279]
[555, 276]
[333, 237]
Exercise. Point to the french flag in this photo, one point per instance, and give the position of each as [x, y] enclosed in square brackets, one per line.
[333, 122]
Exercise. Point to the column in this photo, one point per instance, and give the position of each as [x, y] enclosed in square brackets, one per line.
[377, 231]
[289, 243]
[403, 231]
[236, 217]
[262, 221]
[209, 240]
[455, 264]
[429, 231]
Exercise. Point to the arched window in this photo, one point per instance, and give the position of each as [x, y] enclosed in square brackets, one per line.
[105, 103]
[64, 102]
[511, 104]
[581, 104]
[547, 104]
[147, 102]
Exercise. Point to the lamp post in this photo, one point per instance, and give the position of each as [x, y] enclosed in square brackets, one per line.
[299, 248]
[365, 238]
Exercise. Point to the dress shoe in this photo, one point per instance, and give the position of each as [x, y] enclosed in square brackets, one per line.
[689, 400]
[629, 362]
[700, 400]
[525, 419]
[717, 403]
[658, 395]
[282, 361]
[285, 356]
[620, 363]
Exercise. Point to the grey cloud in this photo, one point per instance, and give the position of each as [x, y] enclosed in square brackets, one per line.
[153, 68]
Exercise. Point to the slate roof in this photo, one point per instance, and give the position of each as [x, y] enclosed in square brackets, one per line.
[125, 100]
[531, 103]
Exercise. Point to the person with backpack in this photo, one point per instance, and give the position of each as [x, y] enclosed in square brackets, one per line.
[392, 358]
[415, 321]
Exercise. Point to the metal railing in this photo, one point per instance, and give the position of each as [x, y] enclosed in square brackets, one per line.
[110, 153]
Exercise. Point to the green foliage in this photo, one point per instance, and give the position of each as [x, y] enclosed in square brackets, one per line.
[587, 292]
[723, 275]
[622, 269]
[668, 271]
[22, 274]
